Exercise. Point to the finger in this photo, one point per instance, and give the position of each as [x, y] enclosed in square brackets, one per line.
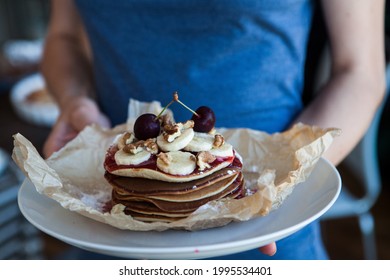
[269, 249]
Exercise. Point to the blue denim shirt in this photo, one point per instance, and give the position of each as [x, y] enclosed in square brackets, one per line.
[243, 58]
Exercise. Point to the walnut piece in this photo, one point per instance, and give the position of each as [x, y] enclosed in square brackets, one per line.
[133, 148]
[171, 132]
[218, 141]
[188, 124]
[203, 160]
[165, 158]
[149, 145]
[125, 139]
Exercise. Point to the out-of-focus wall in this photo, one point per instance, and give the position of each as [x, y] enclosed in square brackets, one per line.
[23, 19]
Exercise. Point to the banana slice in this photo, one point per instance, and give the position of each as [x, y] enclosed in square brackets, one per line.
[176, 163]
[179, 143]
[226, 150]
[123, 158]
[201, 142]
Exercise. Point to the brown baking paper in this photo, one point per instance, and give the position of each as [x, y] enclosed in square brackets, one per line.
[273, 165]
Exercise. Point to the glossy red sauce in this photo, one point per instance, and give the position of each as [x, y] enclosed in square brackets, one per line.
[110, 164]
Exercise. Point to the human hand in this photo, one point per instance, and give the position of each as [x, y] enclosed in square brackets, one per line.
[77, 114]
[269, 249]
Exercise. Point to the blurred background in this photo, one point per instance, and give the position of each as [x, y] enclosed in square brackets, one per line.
[358, 229]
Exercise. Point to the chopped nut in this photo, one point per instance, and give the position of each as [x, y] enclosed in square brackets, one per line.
[165, 158]
[218, 141]
[171, 128]
[203, 159]
[133, 148]
[188, 124]
[126, 138]
[130, 138]
[171, 132]
[151, 146]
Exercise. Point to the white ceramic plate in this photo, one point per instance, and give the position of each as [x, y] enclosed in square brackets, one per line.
[308, 202]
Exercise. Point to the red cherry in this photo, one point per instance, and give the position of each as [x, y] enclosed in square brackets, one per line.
[146, 126]
[205, 121]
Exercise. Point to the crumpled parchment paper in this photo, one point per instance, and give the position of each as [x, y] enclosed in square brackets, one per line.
[274, 164]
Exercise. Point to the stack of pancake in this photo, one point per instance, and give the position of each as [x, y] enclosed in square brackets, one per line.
[153, 200]
[167, 178]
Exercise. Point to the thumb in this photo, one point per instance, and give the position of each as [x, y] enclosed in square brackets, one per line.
[87, 115]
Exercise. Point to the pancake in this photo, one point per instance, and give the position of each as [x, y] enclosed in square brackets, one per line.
[212, 192]
[146, 215]
[157, 207]
[168, 179]
[212, 188]
[141, 186]
[147, 208]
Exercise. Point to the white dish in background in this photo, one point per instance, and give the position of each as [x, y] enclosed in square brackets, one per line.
[39, 113]
[308, 202]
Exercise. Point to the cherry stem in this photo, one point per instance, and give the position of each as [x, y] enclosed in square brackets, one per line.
[163, 110]
[176, 98]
